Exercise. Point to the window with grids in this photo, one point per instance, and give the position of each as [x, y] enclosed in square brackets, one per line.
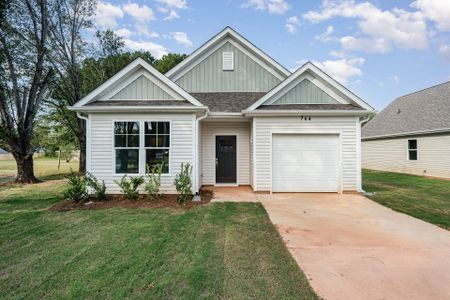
[412, 149]
[157, 144]
[126, 144]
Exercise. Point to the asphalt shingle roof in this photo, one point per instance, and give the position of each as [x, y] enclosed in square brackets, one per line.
[228, 102]
[422, 111]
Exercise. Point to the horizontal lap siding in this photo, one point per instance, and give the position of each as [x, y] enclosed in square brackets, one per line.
[208, 131]
[102, 151]
[391, 155]
[349, 147]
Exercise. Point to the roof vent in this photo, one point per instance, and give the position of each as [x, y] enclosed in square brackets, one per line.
[399, 111]
[227, 61]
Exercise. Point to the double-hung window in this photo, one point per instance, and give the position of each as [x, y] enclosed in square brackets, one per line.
[126, 145]
[412, 149]
[157, 144]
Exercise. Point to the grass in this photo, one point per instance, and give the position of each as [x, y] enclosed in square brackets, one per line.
[219, 250]
[421, 197]
[44, 167]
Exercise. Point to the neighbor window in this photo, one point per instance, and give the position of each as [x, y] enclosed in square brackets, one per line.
[412, 149]
[157, 144]
[126, 144]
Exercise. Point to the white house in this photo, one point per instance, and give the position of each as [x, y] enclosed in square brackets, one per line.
[235, 114]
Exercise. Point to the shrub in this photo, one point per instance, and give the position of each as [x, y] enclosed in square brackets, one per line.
[77, 190]
[98, 188]
[183, 183]
[153, 185]
[129, 187]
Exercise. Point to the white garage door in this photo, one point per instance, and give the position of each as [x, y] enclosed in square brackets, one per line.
[305, 163]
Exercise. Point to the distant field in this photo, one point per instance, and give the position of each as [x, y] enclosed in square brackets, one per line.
[43, 167]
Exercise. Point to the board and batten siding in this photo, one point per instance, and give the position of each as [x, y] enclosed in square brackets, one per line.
[247, 76]
[142, 88]
[265, 126]
[102, 148]
[208, 132]
[305, 92]
[433, 155]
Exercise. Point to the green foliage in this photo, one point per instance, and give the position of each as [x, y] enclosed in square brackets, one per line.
[77, 190]
[168, 61]
[153, 185]
[110, 43]
[183, 183]
[129, 186]
[98, 188]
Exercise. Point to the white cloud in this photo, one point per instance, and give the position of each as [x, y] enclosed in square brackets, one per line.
[383, 29]
[155, 49]
[273, 6]
[444, 50]
[435, 10]
[143, 29]
[395, 78]
[123, 32]
[181, 38]
[178, 4]
[325, 36]
[342, 69]
[106, 15]
[172, 15]
[292, 24]
[141, 14]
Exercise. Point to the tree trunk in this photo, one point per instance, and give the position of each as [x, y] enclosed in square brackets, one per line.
[25, 172]
[82, 143]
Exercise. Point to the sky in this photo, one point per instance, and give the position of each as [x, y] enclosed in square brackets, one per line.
[379, 49]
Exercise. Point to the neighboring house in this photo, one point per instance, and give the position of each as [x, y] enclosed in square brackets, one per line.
[235, 114]
[411, 135]
[5, 155]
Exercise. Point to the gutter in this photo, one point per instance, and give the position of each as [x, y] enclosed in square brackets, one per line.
[137, 108]
[431, 131]
[306, 112]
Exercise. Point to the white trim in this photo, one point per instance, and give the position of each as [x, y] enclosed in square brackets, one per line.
[197, 152]
[407, 149]
[358, 156]
[412, 133]
[138, 108]
[139, 62]
[312, 68]
[295, 112]
[215, 135]
[227, 32]
[338, 133]
[254, 154]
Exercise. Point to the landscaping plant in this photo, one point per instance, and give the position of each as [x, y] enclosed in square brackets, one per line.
[99, 188]
[183, 183]
[153, 185]
[129, 186]
[77, 190]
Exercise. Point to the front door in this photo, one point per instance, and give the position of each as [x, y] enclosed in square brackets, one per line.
[226, 159]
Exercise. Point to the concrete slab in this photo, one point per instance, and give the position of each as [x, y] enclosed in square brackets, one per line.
[234, 194]
[353, 248]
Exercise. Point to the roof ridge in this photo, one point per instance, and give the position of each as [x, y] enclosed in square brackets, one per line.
[424, 89]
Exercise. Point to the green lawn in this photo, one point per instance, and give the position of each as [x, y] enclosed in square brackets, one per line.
[421, 197]
[43, 167]
[219, 250]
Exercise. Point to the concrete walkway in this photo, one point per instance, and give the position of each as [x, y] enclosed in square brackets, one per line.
[353, 248]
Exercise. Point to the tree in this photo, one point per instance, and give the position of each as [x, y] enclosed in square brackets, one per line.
[24, 77]
[169, 61]
[68, 51]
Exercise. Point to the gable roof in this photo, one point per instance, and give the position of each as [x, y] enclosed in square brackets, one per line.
[340, 91]
[204, 50]
[129, 69]
[424, 111]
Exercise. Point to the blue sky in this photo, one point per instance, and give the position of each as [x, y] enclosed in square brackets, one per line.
[379, 49]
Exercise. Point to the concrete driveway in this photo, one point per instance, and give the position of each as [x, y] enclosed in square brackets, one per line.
[353, 248]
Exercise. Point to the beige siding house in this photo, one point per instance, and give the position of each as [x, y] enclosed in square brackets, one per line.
[411, 135]
[232, 112]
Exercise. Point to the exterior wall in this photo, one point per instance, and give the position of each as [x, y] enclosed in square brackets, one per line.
[346, 126]
[305, 92]
[101, 160]
[209, 130]
[208, 76]
[433, 155]
[142, 88]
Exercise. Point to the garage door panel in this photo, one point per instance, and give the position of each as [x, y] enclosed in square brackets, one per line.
[305, 163]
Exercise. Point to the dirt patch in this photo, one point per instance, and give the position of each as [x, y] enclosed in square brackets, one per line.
[113, 201]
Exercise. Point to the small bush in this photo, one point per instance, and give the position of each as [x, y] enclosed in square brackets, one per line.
[183, 183]
[98, 188]
[129, 187]
[77, 190]
[153, 185]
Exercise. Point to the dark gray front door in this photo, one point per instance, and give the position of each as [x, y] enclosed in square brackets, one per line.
[225, 159]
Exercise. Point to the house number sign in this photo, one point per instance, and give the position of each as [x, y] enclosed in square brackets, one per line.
[305, 118]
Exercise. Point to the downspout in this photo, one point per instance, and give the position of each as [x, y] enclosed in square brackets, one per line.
[88, 140]
[361, 122]
[80, 116]
[197, 155]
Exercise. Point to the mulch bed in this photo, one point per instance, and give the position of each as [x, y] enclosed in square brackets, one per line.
[113, 201]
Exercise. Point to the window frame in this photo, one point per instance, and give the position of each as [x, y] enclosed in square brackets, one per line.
[408, 150]
[145, 148]
[141, 149]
